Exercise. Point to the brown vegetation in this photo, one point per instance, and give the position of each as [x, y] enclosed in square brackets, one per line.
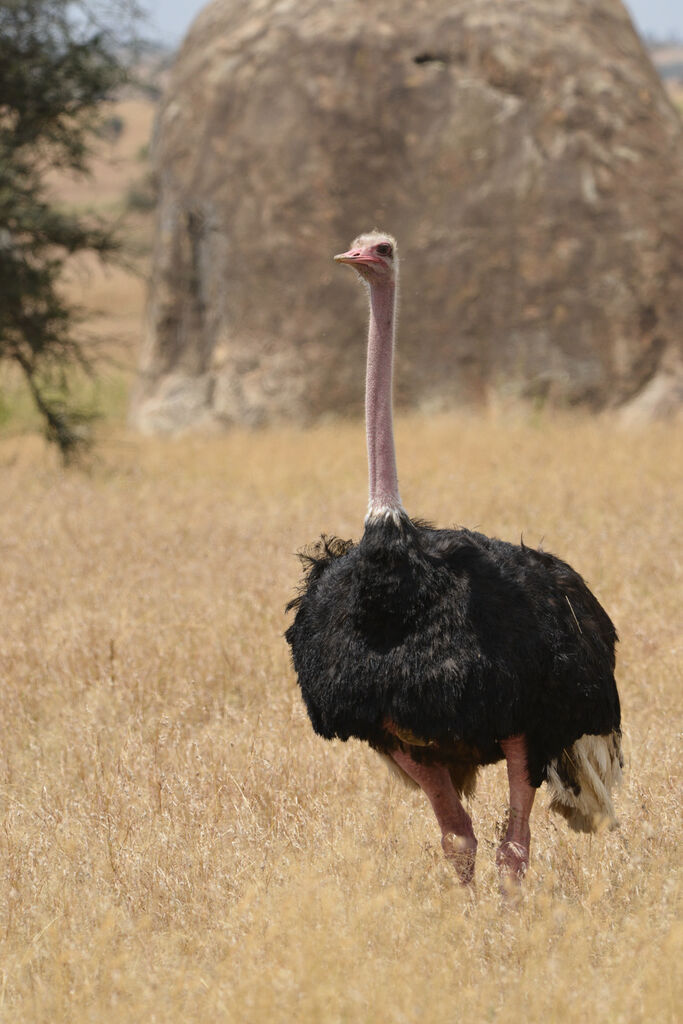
[177, 845]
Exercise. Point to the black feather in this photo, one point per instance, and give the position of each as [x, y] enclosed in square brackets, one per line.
[458, 639]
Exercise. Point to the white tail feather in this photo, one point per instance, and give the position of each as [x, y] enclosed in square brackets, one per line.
[581, 780]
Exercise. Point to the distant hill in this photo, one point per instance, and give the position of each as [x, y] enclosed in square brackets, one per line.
[668, 59]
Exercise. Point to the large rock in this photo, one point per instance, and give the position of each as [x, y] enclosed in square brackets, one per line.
[525, 154]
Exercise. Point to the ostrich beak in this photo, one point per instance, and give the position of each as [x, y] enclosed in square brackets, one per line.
[355, 256]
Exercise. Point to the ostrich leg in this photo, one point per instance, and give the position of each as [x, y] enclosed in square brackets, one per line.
[513, 853]
[457, 836]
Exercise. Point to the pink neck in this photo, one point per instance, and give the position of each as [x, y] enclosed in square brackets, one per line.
[384, 497]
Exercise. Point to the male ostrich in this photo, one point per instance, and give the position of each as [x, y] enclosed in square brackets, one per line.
[447, 650]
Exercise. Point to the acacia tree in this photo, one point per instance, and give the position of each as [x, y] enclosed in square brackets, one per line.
[59, 61]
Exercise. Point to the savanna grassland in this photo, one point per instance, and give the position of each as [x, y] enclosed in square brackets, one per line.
[177, 845]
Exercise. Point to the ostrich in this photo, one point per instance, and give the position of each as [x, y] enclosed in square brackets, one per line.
[447, 650]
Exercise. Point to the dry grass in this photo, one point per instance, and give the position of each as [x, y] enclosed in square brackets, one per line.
[177, 845]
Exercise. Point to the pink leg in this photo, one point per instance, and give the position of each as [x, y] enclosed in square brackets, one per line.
[513, 853]
[457, 836]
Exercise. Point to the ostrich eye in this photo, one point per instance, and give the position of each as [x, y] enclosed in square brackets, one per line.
[383, 249]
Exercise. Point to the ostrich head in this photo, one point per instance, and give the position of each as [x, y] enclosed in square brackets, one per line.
[374, 256]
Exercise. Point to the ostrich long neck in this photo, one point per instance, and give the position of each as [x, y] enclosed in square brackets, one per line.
[383, 478]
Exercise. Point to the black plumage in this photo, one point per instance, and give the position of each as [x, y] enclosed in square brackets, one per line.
[458, 639]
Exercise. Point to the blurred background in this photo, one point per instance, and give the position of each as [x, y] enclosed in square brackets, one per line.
[527, 159]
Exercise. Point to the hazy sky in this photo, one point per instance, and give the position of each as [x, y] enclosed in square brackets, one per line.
[170, 19]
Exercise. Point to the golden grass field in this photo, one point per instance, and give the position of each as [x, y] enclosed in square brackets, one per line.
[177, 845]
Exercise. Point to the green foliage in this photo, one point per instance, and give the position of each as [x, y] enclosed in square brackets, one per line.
[59, 61]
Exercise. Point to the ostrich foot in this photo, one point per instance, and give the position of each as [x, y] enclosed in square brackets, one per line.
[512, 860]
[461, 852]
